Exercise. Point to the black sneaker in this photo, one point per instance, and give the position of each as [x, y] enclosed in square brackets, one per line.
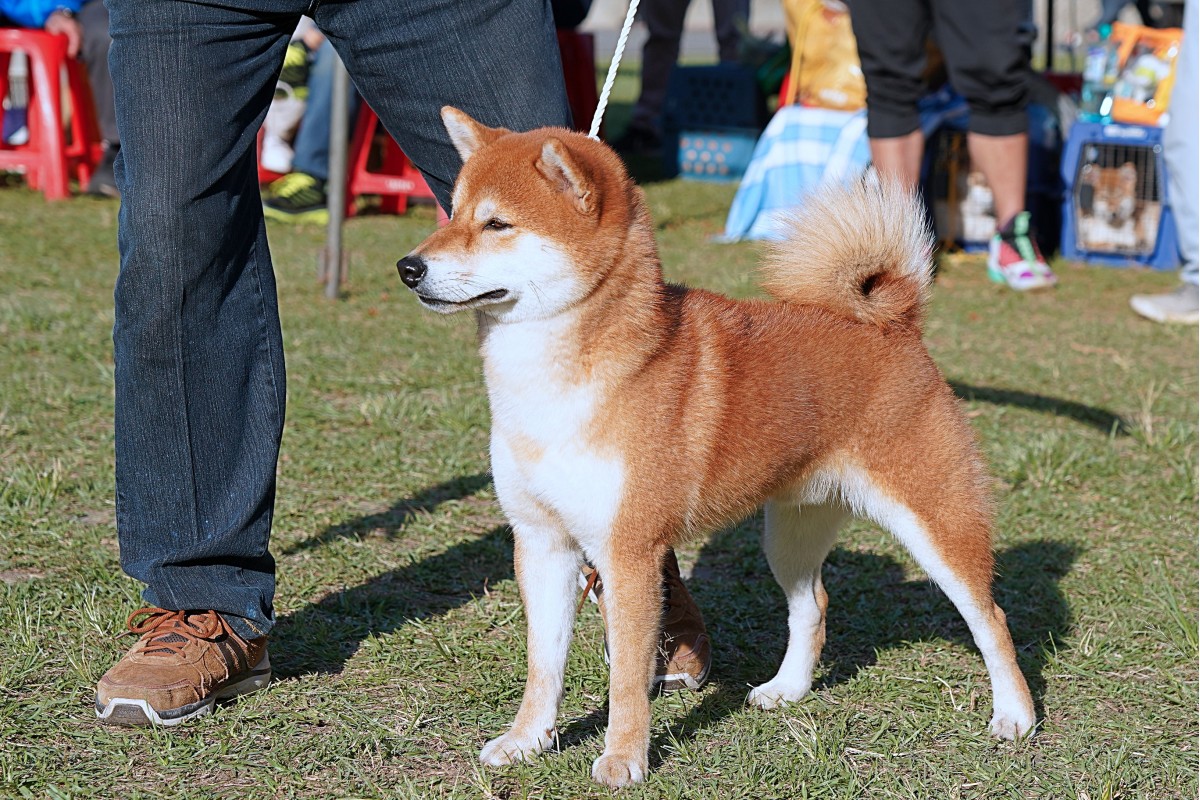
[297, 197]
[104, 182]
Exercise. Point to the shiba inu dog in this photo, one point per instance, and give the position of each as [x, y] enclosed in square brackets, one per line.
[629, 414]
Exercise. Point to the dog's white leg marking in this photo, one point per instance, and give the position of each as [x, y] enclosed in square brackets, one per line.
[546, 567]
[796, 541]
[1012, 707]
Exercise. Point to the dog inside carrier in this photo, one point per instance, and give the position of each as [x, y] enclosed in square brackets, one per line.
[1117, 197]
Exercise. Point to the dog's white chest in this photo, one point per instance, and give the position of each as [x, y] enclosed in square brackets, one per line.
[549, 470]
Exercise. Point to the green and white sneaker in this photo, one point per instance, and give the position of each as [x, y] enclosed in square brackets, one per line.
[1014, 259]
[297, 197]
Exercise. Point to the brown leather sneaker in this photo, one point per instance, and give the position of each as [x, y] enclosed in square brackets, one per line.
[184, 663]
[684, 650]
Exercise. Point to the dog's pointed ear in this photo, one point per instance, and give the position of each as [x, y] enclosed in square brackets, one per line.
[564, 173]
[466, 134]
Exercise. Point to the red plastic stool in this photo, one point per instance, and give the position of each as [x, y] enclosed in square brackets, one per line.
[50, 156]
[397, 181]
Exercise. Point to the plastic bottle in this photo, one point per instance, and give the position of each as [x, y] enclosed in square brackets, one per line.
[1100, 69]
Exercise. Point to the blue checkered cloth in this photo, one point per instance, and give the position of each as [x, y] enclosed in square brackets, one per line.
[802, 148]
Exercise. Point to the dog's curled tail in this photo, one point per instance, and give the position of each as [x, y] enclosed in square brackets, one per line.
[860, 249]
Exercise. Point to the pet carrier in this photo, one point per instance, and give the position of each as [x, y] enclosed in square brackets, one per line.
[1116, 210]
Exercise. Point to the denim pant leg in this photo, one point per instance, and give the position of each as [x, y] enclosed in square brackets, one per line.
[197, 343]
[312, 140]
[1180, 150]
[495, 59]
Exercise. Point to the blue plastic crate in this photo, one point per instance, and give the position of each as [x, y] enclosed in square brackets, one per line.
[1130, 226]
[716, 155]
[712, 98]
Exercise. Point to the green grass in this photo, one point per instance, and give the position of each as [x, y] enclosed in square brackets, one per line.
[400, 644]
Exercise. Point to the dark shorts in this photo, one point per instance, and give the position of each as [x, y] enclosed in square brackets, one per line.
[984, 48]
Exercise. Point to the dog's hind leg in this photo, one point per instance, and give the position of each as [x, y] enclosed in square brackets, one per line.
[796, 540]
[547, 568]
[942, 518]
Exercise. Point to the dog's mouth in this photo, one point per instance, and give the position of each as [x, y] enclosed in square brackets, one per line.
[494, 296]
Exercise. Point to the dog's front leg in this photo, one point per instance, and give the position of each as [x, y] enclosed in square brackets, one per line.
[633, 601]
[547, 570]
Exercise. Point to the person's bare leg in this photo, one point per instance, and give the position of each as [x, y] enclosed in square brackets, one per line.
[900, 157]
[1002, 160]
[1013, 256]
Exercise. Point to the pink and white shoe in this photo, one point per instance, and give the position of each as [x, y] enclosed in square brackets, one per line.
[1014, 259]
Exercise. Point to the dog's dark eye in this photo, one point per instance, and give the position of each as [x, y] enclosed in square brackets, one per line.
[496, 225]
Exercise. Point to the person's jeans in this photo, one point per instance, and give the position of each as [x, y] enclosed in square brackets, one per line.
[1179, 147]
[311, 146]
[199, 361]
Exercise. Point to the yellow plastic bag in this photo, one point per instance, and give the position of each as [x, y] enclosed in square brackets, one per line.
[825, 68]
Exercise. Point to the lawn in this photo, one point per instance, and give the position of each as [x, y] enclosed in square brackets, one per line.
[400, 643]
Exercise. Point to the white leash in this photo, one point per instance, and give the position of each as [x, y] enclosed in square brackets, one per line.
[594, 133]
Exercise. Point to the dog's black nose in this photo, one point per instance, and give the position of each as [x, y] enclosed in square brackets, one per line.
[411, 269]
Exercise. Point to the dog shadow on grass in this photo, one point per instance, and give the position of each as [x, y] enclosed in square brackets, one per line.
[321, 636]
[872, 607]
[1101, 419]
[398, 515]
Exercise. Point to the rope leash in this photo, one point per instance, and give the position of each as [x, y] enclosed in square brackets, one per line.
[594, 133]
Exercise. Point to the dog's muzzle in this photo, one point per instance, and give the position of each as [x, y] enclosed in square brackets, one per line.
[411, 269]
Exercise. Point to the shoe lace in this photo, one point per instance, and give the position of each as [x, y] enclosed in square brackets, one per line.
[173, 630]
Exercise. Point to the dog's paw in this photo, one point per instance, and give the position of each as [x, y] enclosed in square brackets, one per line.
[1012, 725]
[513, 746]
[616, 771]
[773, 694]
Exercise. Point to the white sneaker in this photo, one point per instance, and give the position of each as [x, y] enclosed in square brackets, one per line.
[276, 154]
[1180, 306]
[283, 118]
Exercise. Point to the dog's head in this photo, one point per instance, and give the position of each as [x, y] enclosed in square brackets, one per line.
[534, 215]
[1109, 193]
